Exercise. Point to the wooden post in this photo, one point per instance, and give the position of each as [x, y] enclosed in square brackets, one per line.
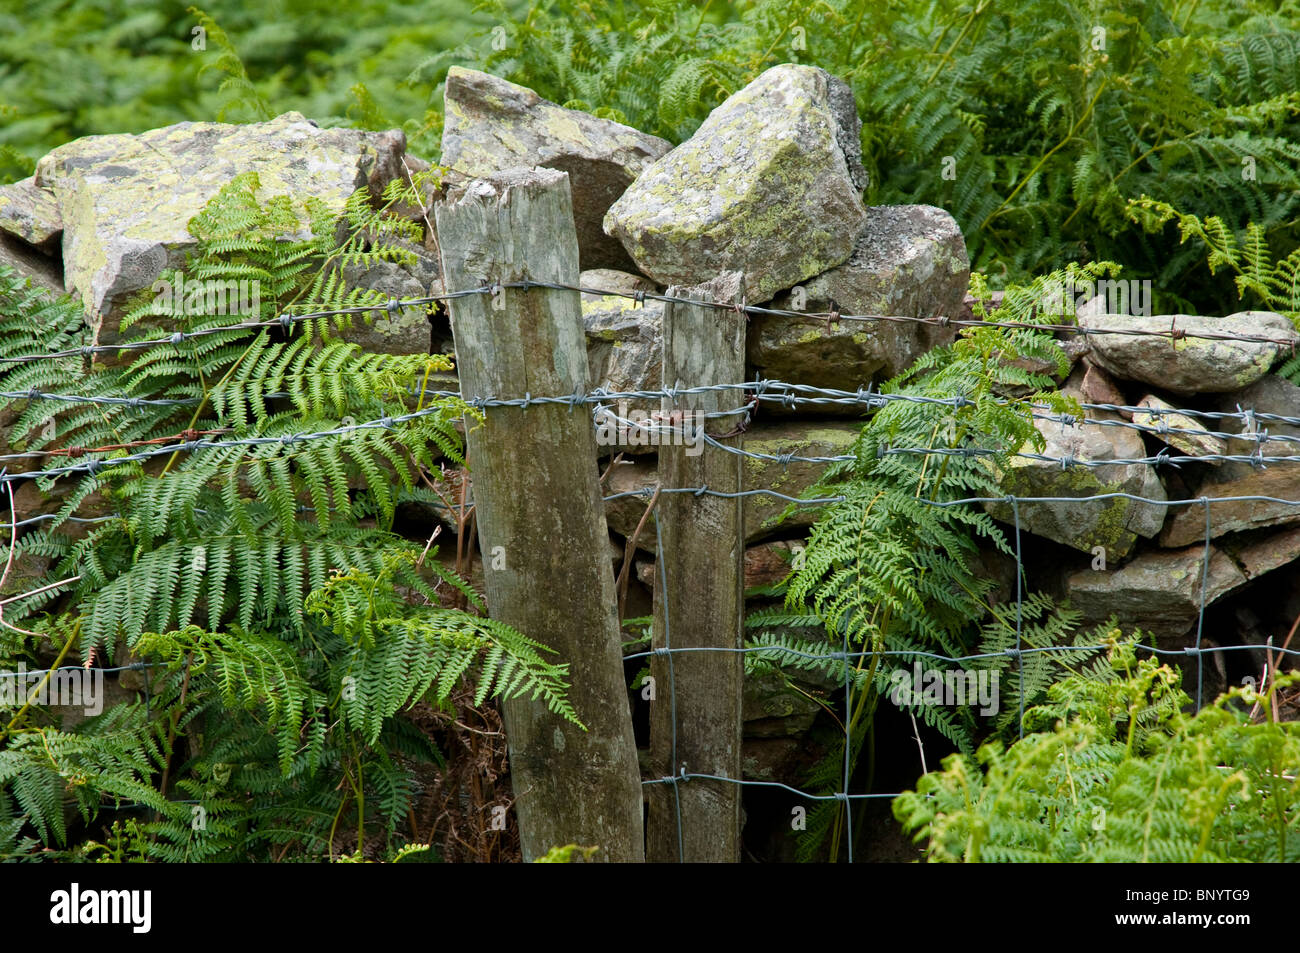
[698, 593]
[541, 522]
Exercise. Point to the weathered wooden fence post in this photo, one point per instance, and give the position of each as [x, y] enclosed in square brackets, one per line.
[541, 521]
[699, 592]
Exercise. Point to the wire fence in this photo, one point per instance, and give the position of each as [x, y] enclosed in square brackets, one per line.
[752, 394]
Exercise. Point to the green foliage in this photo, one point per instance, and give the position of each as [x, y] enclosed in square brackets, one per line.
[113, 66]
[890, 572]
[401, 652]
[1119, 773]
[243, 95]
[568, 854]
[1042, 624]
[1262, 279]
[1031, 121]
[292, 631]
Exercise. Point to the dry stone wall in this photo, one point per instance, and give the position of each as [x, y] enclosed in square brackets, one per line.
[770, 186]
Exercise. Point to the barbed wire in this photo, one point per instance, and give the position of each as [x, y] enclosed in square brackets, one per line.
[1174, 333]
[190, 443]
[395, 305]
[133, 402]
[756, 392]
[284, 321]
[689, 435]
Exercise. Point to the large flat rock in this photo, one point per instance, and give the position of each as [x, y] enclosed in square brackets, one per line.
[1278, 479]
[126, 200]
[770, 185]
[1157, 592]
[1113, 524]
[1188, 365]
[1160, 591]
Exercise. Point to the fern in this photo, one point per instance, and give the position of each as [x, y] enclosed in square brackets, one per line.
[400, 652]
[890, 573]
[1119, 774]
[263, 579]
[1261, 279]
[968, 107]
[1028, 677]
[243, 98]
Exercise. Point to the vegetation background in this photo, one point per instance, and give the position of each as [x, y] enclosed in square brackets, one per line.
[1065, 136]
[1032, 121]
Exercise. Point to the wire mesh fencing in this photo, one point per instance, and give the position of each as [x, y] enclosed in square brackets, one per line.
[1251, 429]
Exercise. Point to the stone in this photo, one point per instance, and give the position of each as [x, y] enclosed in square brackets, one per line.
[1189, 365]
[131, 679]
[772, 709]
[613, 283]
[785, 760]
[126, 200]
[1113, 524]
[762, 514]
[909, 260]
[492, 125]
[27, 571]
[1257, 554]
[40, 270]
[769, 185]
[1098, 387]
[1158, 592]
[1096, 305]
[1076, 348]
[624, 338]
[1269, 395]
[30, 213]
[768, 563]
[1179, 431]
[406, 331]
[622, 515]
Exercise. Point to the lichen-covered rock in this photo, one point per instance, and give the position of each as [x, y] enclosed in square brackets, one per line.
[909, 260]
[773, 709]
[1280, 480]
[1114, 524]
[770, 185]
[761, 513]
[624, 338]
[492, 125]
[1180, 431]
[30, 213]
[126, 200]
[1188, 365]
[406, 330]
[1160, 591]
